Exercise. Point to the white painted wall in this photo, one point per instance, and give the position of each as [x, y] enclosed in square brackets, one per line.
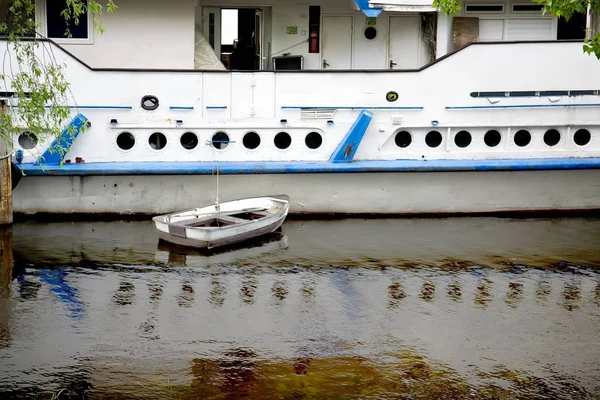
[143, 34]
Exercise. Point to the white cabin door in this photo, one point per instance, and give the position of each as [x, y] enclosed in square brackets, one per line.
[405, 43]
[336, 48]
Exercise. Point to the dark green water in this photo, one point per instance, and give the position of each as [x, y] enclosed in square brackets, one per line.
[471, 308]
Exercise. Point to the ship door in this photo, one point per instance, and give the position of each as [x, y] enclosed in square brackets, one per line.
[406, 50]
[336, 50]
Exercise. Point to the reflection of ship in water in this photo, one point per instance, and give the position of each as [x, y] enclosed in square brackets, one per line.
[171, 254]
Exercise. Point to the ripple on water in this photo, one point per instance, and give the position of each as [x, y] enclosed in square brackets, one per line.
[470, 308]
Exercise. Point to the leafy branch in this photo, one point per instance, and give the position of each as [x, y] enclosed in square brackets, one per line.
[37, 90]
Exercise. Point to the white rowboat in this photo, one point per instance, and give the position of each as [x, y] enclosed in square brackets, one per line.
[223, 224]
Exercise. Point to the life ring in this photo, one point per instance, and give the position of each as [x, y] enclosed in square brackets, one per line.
[15, 173]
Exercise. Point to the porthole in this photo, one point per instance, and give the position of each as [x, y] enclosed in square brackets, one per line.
[282, 140]
[157, 141]
[403, 139]
[522, 138]
[433, 139]
[582, 137]
[28, 140]
[220, 140]
[313, 140]
[125, 141]
[149, 102]
[189, 140]
[462, 139]
[551, 137]
[492, 138]
[251, 140]
[370, 33]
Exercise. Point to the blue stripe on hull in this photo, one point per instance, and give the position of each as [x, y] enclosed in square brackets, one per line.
[297, 167]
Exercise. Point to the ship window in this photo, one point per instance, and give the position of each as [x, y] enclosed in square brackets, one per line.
[370, 33]
[582, 137]
[527, 7]
[189, 140]
[251, 140]
[60, 28]
[484, 8]
[16, 21]
[552, 137]
[157, 141]
[28, 140]
[492, 138]
[125, 141]
[220, 140]
[282, 140]
[403, 139]
[433, 139]
[313, 140]
[462, 139]
[522, 138]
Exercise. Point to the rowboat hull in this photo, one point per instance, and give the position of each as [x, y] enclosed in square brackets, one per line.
[236, 221]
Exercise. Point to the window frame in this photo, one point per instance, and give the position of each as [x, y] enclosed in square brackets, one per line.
[43, 15]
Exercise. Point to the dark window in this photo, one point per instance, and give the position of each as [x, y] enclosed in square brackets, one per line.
[583, 92]
[527, 7]
[313, 140]
[582, 137]
[189, 140]
[157, 141]
[492, 138]
[220, 140]
[125, 141]
[552, 137]
[485, 8]
[403, 139]
[522, 138]
[251, 140]
[18, 16]
[462, 139]
[433, 139]
[370, 33]
[521, 94]
[61, 27]
[282, 140]
[574, 28]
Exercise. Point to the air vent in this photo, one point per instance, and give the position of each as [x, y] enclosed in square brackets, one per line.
[317, 113]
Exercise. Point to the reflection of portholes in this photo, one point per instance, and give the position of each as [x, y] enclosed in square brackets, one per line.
[370, 33]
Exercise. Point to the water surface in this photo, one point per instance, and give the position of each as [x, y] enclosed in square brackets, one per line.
[350, 309]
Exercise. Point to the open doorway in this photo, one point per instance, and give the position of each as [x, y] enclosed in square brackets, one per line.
[241, 38]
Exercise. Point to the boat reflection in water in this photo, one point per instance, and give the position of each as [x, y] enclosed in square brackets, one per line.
[169, 254]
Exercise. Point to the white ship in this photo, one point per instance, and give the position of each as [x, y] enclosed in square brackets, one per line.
[381, 107]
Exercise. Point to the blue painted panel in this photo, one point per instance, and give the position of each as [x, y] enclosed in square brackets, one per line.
[348, 146]
[368, 11]
[54, 154]
[524, 106]
[352, 108]
[296, 167]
